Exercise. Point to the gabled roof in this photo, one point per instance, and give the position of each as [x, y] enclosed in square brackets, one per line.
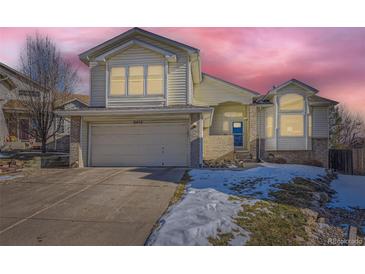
[17, 74]
[318, 100]
[15, 104]
[83, 99]
[212, 91]
[313, 99]
[84, 57]
[296, 82]
[231, 84]
[167, 54]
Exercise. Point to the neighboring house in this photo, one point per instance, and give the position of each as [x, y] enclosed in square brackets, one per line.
[15, 123]
[151, 105]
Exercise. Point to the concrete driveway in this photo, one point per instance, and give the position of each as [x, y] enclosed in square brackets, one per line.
[90, 206]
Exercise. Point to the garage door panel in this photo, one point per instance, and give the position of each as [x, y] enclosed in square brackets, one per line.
[140, 129]
[139, 145]
[133, 139]
[126, 150]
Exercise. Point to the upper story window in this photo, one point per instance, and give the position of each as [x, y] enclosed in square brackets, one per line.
[155, 80]
[291, 102]
[117, 81]
[291, 108]
[137, 80]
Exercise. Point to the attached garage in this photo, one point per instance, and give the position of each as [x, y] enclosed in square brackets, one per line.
[150, 144]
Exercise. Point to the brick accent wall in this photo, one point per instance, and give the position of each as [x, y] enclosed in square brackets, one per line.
[317, 156]
[75, 148]
[252, 129]
[217, 147]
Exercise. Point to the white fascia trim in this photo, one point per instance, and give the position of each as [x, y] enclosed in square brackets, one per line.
[170, 56]
[111, 112]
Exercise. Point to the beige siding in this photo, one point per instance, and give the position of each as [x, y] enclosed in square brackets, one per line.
[177, 77]
[224, 115]
[320, 122]
[178, 82]
[97, 94]
[178, 73]
[211, 92]
[136, 55]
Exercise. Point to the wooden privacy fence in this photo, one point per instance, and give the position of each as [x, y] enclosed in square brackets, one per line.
[358, 159]
[347, 161]
[341, 160]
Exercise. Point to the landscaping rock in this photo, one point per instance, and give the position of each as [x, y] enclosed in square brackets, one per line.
[223, 163]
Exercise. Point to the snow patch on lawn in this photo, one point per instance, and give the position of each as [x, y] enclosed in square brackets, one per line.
[201, 214]
[256, 182]
[206, 209]
[350, 191]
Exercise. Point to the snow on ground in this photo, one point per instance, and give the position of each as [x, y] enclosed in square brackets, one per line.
[350, 191]
[207, 209]
[256, 182]
[198, 216]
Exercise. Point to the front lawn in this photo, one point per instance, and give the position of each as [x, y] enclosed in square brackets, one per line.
[268, 205]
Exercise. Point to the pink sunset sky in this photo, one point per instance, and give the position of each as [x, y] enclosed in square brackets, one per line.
[329, 59]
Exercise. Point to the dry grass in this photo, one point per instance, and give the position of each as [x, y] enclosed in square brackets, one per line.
[180, 190]
[273, 224]
[222, 239]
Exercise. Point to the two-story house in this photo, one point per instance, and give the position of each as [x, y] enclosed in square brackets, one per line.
[151, 105]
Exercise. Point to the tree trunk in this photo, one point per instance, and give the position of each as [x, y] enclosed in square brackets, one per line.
[44, 145]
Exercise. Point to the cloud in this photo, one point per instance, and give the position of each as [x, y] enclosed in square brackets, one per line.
[330, 59]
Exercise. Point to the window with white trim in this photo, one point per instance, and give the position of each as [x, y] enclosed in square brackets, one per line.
[291, 102]
[269, 129]
[155, 75]
[139, 80]
[292, 125]
[310, 125]
[117, 81]
[136, 81]
[291, 108]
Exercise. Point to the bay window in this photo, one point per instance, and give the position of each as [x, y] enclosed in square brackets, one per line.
[291, 108]
[269, 130]
[291, 102]
[292, 125]
[139, 80]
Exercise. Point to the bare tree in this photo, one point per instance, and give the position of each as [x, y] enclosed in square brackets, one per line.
[51, 79]
[347, 129]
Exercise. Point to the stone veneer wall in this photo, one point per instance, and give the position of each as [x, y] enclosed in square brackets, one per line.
[217, 147]
[252, 129]
[317, 156]
[75, 148]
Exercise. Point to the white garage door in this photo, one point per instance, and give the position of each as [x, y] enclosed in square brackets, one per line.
[139, 144]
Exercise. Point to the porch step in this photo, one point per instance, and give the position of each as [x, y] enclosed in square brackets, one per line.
[243, 155]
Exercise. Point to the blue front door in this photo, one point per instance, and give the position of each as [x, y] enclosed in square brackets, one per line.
[237, 131]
